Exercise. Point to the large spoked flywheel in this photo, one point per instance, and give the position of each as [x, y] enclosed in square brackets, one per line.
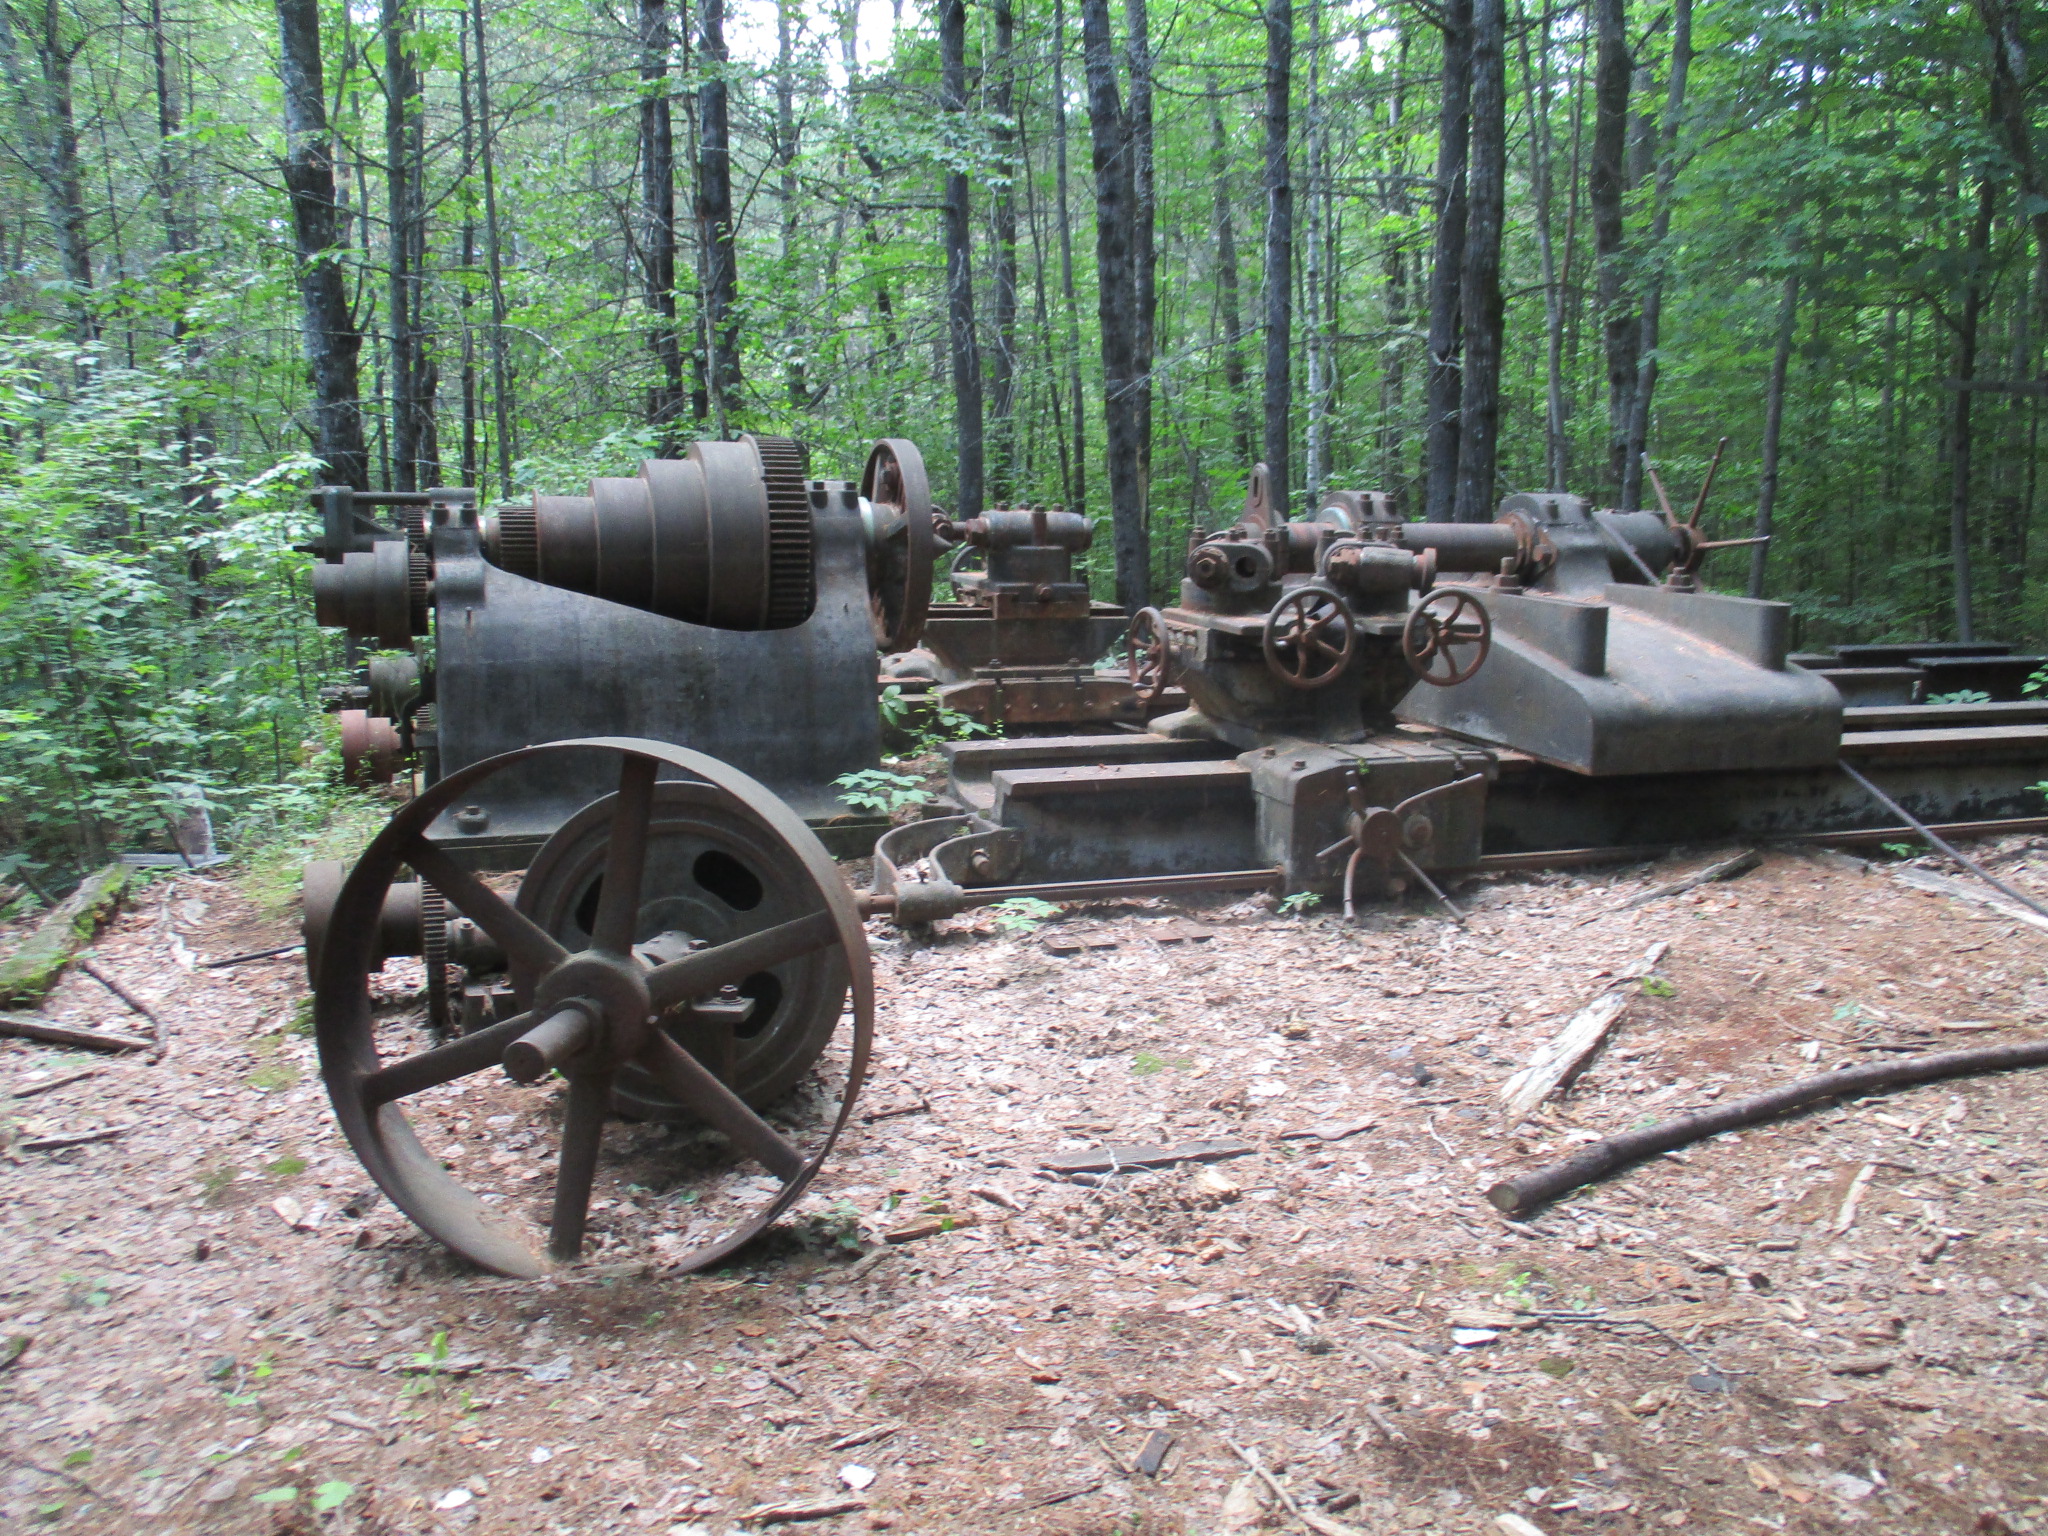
[637, 977]
[713, 873]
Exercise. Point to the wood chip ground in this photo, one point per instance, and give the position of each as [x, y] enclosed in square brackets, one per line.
[1840, 1320]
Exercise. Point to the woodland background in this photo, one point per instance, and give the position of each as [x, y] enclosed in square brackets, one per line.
[1091, 255]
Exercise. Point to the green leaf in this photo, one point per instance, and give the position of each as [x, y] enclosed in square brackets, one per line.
[331, 1495]
[277, 1496]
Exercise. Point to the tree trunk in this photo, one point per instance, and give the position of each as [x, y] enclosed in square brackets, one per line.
[1447, 268]
[1976, 260]
[415, 453]
[1607, 181]
[1536, 83]
[1144, 252]
[1485, 216]
[1228, 281]
[466, 260]
[1279, 274]
[665, 400]
[501, 382]
[1003, 366]
[1316, 172]
[2010, 111]
[1079, 492]
[1660, 232]
[1774, 427]
[48, 130]
[332, 341]
[716, 253]
[1116, 308]
[796, 369]
[965, 352]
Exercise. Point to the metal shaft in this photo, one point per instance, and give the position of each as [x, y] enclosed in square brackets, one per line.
[548, 1044]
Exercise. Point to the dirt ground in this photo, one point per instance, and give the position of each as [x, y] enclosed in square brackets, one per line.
[1835, 1320]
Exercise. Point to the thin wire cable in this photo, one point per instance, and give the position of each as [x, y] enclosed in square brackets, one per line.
[1928, 832]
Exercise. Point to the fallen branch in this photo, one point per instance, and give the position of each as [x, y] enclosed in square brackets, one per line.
[30, 1090]
[1521, 1195]
[778, 1514]
[1322, 1525]
[254, 954]
[1725, 869]
[74, 1139]
[25, 1028]
[27, 975]
[1560, 1058]
[113, 986]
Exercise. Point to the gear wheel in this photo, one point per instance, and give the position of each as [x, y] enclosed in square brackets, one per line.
[518, 541]
[434, 954]
[792, 577]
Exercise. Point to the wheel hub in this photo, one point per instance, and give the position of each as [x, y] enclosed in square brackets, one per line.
[613, 989]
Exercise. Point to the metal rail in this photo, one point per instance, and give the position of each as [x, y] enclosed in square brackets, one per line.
[1098, 890]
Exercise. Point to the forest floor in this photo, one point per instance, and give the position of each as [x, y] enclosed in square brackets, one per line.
[1839, 1319]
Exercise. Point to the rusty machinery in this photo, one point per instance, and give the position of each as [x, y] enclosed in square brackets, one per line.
[1018, 646]
[719, 601]
[1374, 701]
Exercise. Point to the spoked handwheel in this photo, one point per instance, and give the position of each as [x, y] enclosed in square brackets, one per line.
[594, 1015]
[1149, 654]
[901, 542]
[1310, 636]
[1447, 636]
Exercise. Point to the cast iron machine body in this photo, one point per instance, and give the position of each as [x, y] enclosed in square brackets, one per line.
[1017, 646]
[719, 601]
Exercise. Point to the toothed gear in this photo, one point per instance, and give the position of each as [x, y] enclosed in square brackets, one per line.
[792, 577]
[519, 540]
[434, 955]
[420, 590]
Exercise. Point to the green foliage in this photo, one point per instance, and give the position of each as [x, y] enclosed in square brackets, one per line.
[1659, 986]
[880, 792]
[1299, 902]
[331, 1496]
[1961, 696]
[1910, 850]
[1023, 914]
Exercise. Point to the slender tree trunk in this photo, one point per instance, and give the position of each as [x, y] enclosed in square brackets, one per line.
[48, 128]
[1960, 445]
[501, 380]
[1079, 492]
[2015, 121]
[415, 453]
[1003, 366]
[965, 351]
[1774, 427]
[796, 369]
[665, 400]
[1228, 281]
[715, 245]
[1279, 274]
[1316, 171]
[1394, 263]
[332, 341]
[1660, 232]
[1607, 182]
[1536, 83]
[849, 56]
[1116, 308]
[466, 261]
[1485, 217]
[1447, 268]
[1144, 251]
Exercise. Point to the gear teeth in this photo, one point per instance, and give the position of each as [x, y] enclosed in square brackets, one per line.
[792, 571]
[434, 954]
[519, 541]
[420, 590]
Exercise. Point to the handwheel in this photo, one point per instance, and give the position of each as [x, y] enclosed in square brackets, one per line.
[1310, 636]
[1447, 636]
[901, 543]
[1149, 654]
[591, 1016]
[712, 873]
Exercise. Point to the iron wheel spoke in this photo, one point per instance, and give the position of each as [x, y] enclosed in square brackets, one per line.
[524, 941]
[444, 1064]
[693, 1086]
[618, 904]
[582, 1132]
[709, 969]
